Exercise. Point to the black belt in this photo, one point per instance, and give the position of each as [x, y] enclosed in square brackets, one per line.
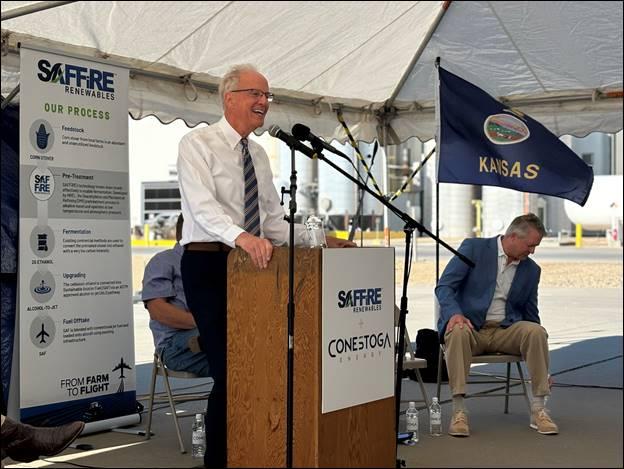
[212, 247]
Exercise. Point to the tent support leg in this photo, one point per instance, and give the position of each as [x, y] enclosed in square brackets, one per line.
[10, 96]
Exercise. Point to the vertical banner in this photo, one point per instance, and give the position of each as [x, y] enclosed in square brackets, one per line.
[357, 327]
[75, 307]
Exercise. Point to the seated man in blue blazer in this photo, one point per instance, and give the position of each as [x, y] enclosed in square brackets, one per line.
[492, 307]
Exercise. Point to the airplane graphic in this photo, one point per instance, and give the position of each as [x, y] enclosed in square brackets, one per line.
[43, 334]
[121, 367]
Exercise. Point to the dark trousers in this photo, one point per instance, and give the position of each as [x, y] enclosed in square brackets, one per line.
[204, 275]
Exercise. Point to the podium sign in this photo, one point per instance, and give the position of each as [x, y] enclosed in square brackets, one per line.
[357, 435]
[357, 326]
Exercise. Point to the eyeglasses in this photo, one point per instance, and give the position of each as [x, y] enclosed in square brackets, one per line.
[256, 93]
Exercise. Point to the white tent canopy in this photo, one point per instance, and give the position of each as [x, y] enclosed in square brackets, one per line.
[560, 62]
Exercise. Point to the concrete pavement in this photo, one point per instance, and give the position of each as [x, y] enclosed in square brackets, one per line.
[585, 327]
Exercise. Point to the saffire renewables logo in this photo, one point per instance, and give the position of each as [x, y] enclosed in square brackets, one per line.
[367, 345]
[41, 183]
[78, 79]
[360, 299]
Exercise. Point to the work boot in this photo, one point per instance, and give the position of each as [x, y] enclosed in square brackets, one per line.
[25, 443]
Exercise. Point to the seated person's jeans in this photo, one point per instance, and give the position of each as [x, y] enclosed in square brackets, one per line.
[177, 356]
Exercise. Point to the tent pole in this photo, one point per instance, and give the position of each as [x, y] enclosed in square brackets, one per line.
[33, 8]
[10, 96]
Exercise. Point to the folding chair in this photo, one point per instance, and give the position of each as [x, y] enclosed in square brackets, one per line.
[161, 369]
[491, 358]
[411, 362]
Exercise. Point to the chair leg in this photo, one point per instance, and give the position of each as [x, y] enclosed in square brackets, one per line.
[440, 358]
[526, 394]
[148, 433]
[422, 387]
[173, 409]
[507, 388]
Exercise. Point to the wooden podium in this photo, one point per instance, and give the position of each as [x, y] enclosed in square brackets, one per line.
[360, 436]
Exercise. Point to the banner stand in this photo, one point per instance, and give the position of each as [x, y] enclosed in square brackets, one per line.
[112, 424]
[75, 359]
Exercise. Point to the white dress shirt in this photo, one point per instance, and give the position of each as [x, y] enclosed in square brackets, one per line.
[212, 186]
[504, 277]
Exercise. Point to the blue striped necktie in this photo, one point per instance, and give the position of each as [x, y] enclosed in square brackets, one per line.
[252, 209]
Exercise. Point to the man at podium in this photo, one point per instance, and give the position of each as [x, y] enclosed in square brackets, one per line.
[228, 201]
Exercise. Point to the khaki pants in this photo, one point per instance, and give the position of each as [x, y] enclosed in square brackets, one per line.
[524, 338]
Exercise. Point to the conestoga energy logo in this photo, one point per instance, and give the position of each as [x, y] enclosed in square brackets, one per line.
[360, 299]
[363, 343]
[78, 79]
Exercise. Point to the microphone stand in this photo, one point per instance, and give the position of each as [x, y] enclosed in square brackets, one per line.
[290, 218]
[410, 226]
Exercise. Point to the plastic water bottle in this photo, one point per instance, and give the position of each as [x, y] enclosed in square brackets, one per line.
[411, 417]
[435, 418]
[316, 232]
[199, 437]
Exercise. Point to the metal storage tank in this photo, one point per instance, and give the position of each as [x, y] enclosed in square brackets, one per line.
[334, 186]
[331, 185]
[501, 206]
[456, 211]
[429, 187]
[306, 185]
[371, 204]
[603, 207]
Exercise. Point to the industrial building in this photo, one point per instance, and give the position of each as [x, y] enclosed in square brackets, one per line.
[465, 210]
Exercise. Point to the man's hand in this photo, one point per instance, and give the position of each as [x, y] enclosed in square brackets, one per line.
[333, 242]
[458, 319]
[259, 249]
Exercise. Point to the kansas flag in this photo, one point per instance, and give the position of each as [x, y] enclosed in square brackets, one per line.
[483, 142]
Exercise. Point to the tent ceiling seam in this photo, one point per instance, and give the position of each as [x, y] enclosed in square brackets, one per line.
[427, 39]
[185, 38]
[502, 25]
[360, 46]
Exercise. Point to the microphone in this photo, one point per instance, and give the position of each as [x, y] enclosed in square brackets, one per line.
[301, 132]
[275, 131]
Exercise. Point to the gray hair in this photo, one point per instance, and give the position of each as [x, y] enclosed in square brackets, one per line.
[520, 225]
[231, 78]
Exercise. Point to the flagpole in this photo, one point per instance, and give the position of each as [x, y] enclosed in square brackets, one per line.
[437, 144]
[437, 231]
